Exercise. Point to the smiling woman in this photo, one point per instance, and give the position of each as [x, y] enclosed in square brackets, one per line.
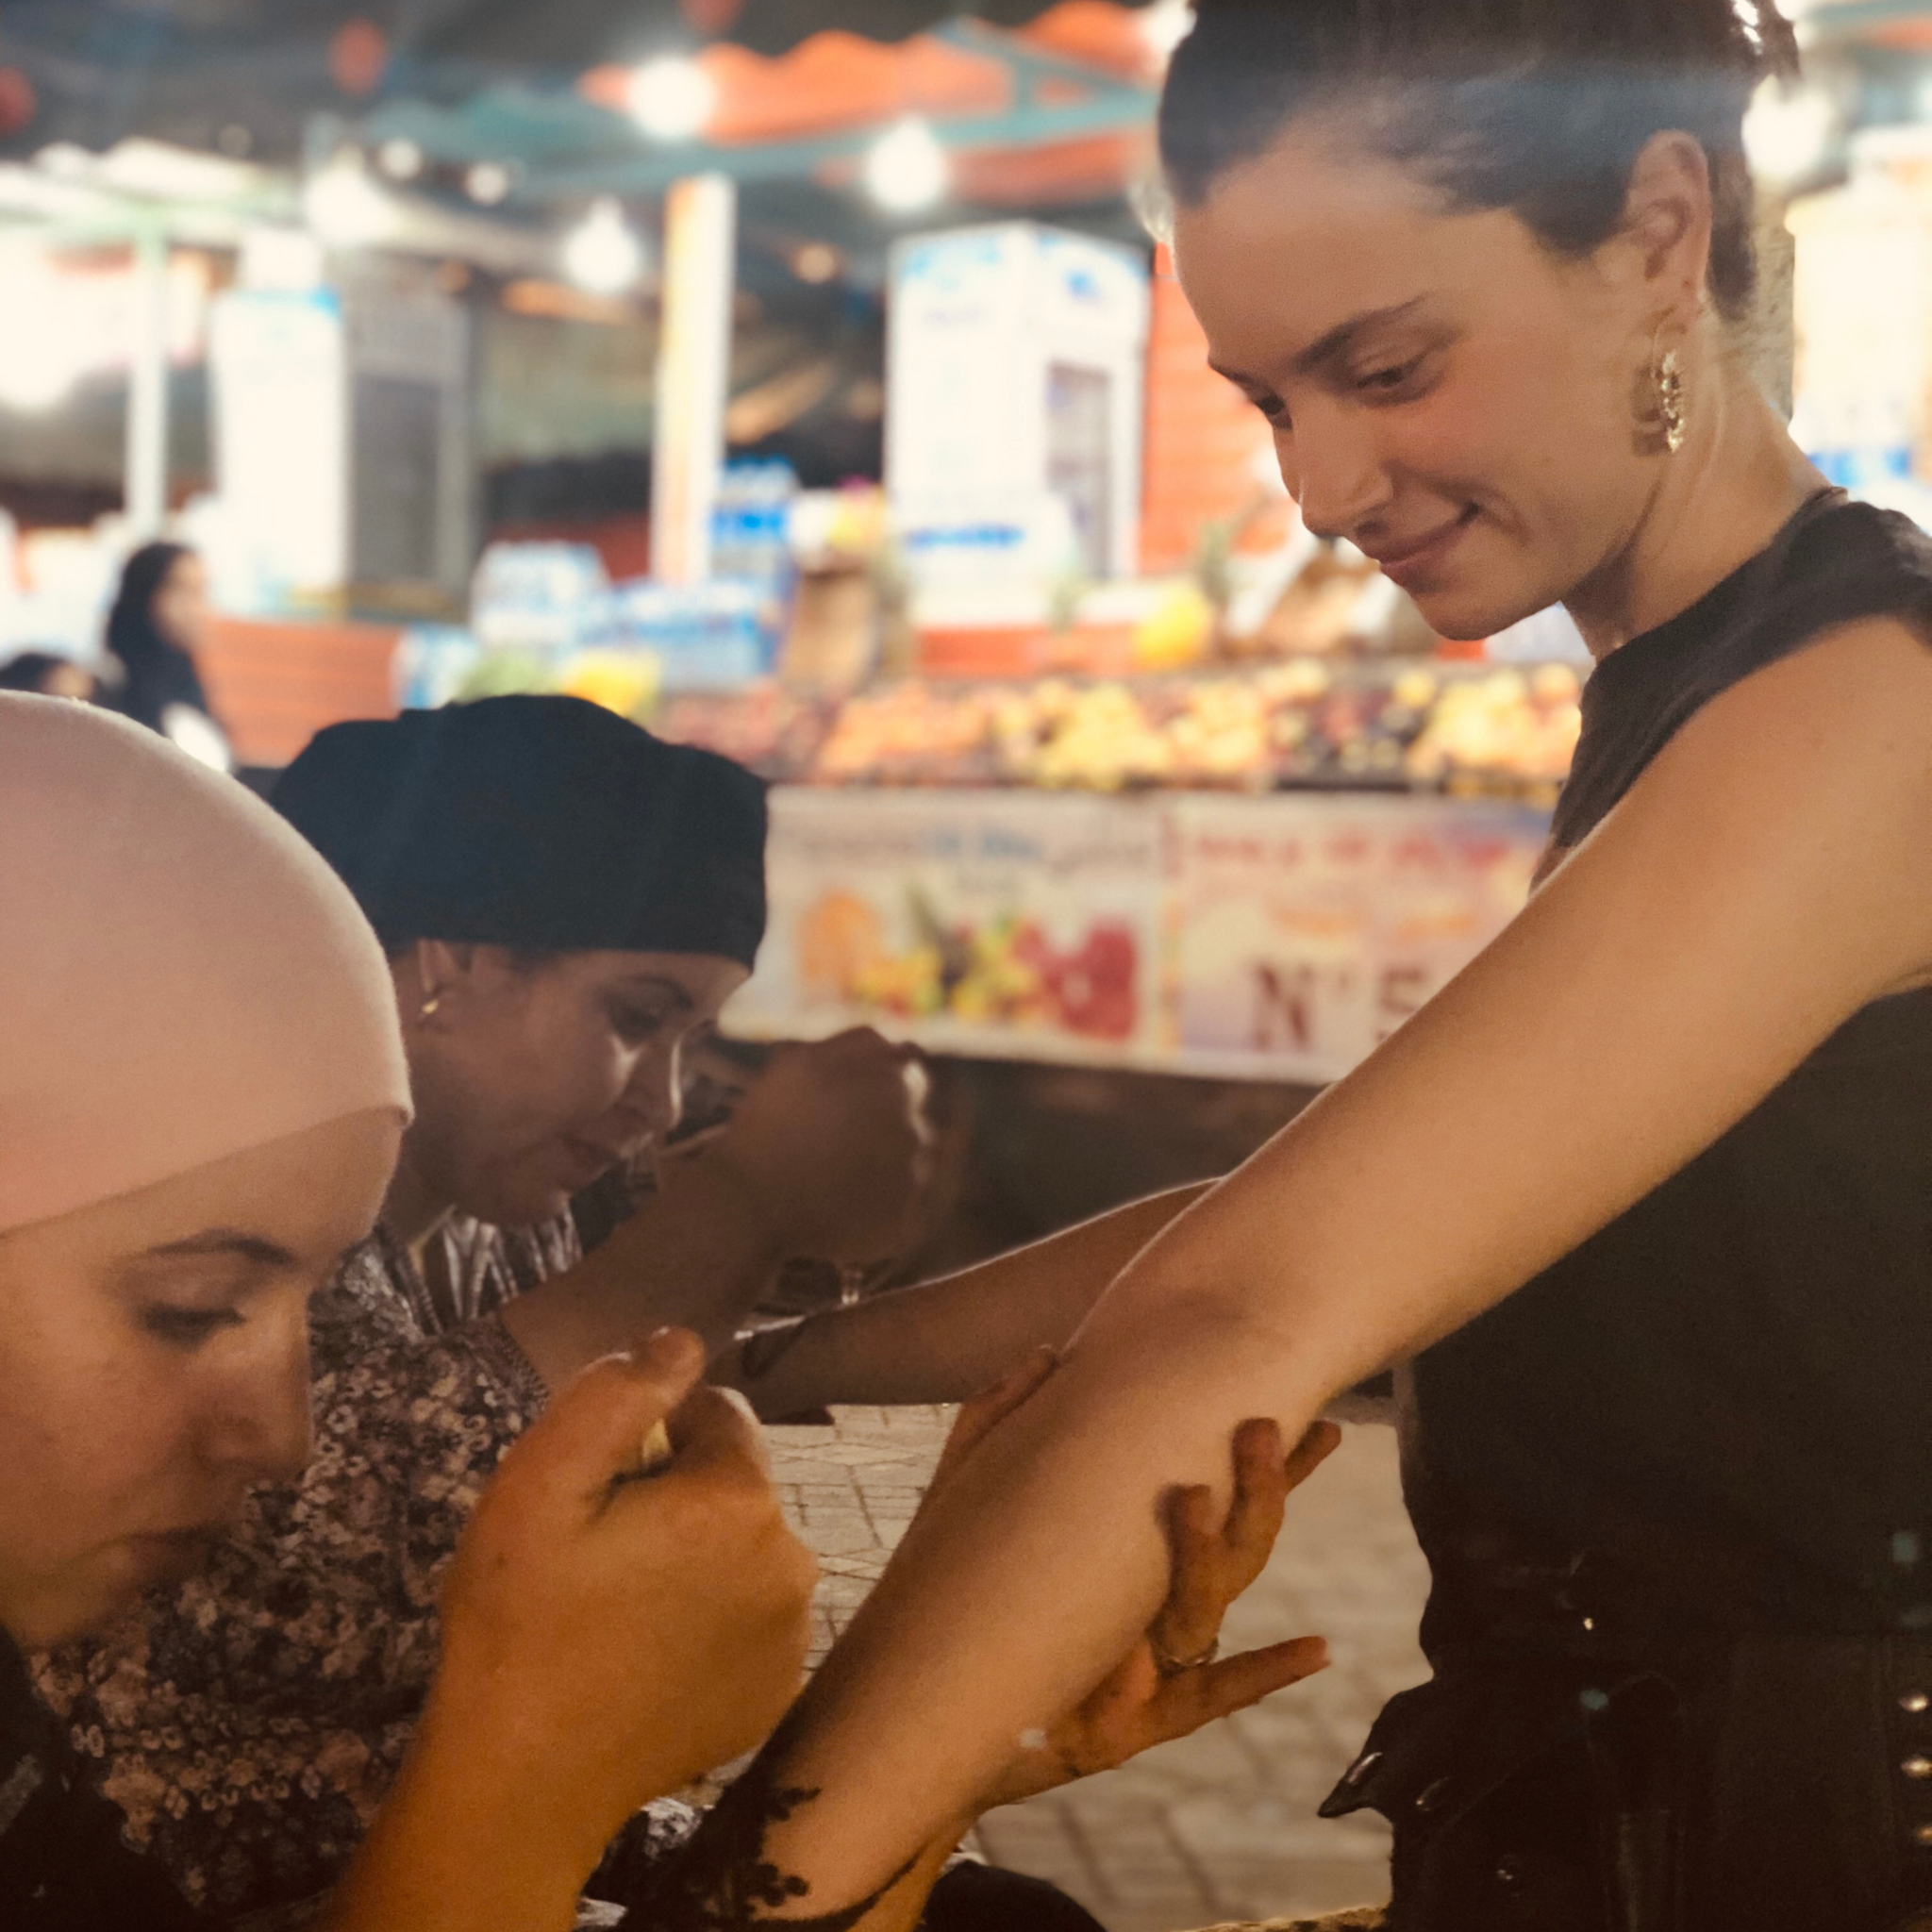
[1637, 1204]
[1502, 251]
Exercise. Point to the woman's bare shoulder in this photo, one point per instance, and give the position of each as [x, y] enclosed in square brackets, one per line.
[1824, 758]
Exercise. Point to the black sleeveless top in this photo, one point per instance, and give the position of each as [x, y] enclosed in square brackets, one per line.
[1725, 1395]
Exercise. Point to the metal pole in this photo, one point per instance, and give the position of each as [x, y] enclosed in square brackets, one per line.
[146, 473]
[694, 374]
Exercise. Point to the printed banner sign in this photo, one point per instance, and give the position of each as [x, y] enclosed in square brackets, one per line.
[1307, 929]
[1275, 938]
[993, 923]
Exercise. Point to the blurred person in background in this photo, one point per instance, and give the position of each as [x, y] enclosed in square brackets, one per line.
[155, 628]
[202, 1093]
[565, 902]
[1638, 1205]
[47, 674]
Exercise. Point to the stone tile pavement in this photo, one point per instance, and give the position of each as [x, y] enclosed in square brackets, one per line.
[1222, 1824]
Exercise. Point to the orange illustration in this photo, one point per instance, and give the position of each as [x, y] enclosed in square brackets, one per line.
[840, 943]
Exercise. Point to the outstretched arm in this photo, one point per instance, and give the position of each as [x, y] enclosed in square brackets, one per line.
[1168, 1685]
[944, 1340]
[826, 1157]
[1770, 875]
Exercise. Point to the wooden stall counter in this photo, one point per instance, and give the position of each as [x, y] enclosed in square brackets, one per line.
[274, 683]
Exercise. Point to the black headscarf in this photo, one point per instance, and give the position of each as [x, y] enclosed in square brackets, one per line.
[157, 672]
[545, 824]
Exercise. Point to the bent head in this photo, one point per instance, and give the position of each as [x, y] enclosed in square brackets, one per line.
[154, 1359]
[566, 902]
[533, 1076]
[202, 1090]
[1445, 247]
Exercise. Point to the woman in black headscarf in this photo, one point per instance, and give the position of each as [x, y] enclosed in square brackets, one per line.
[563, 901]
[158, 622]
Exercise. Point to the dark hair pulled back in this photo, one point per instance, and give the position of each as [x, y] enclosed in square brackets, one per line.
[133, 635]
[1540, 107]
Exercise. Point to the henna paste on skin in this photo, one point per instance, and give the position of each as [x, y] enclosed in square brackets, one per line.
[719, 1880]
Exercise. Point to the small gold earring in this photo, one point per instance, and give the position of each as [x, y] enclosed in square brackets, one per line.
[1667, 373]
[429, 1006]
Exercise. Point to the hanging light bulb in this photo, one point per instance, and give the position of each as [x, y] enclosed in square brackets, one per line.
[603, 253]
[672, 98]
[487, 183]
[907, 168]
[401, 158]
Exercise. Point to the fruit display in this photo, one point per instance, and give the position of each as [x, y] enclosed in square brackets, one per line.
[1507, 725]
[1289, 724]
[775, 731]
[1002, 970]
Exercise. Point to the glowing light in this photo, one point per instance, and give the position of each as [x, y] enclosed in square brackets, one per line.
[487, 183]
[817, 261]
[906, 169]
[345, 208]
[602, 253]
[1789, 132]
[286, 259]
[673, 98]
[1165, 25]
[400, 159]
[40, 359]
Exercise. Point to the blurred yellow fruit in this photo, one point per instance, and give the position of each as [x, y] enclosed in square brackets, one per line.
[1176, 632]
[625, 682]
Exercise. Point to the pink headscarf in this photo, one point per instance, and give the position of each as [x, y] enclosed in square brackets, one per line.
[181, 976]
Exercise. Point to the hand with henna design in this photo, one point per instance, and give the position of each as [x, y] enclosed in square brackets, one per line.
[1153, 1694]
[725, 1881]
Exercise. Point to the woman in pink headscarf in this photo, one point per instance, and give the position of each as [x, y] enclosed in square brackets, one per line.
[202, 1092]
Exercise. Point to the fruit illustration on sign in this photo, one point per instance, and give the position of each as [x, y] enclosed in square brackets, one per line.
[1003, 970]
[841, 940]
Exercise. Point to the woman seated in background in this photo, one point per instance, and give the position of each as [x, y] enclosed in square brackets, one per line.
[158, 625]
[202, 1092]
[563, 901]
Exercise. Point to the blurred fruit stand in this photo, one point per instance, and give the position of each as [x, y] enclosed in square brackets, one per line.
[1238, 872]
[1158, 841]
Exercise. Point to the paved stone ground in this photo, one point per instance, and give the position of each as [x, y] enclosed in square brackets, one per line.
[1222, 1824]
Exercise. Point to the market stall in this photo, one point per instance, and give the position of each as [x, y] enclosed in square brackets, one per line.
[1253, 876]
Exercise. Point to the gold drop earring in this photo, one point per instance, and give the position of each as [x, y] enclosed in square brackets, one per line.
[429, 1006]
[1667, 378]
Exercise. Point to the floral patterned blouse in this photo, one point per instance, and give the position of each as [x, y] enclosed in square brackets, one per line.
[248, 1722]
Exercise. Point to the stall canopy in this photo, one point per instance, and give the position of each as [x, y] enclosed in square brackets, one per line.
[1884, 22]
[247, 77]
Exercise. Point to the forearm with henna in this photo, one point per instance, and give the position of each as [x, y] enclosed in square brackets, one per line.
[725, 1879]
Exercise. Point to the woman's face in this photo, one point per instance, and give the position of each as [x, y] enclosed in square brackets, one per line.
[180, 603]
[154, 1359]
[1444, 392]
[532, 1080]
